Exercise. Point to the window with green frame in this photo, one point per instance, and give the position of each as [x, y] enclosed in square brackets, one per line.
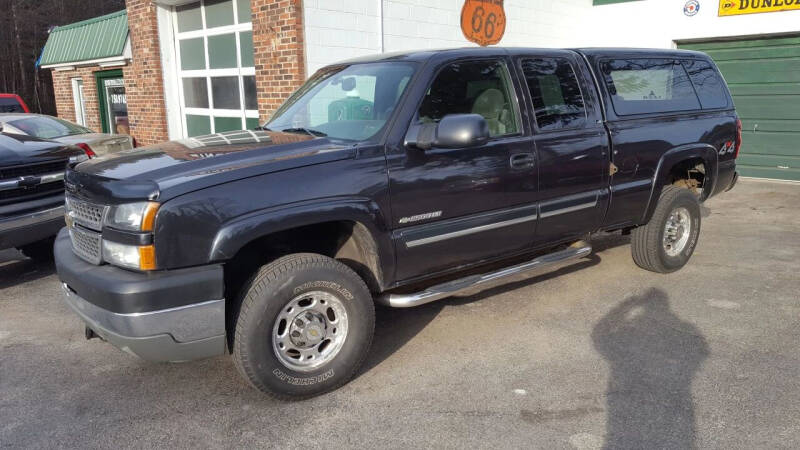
[216, 68]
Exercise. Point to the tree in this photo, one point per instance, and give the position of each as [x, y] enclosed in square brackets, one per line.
[24, 28]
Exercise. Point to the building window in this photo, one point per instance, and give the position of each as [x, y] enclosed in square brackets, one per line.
[80, 101]
[214, 45]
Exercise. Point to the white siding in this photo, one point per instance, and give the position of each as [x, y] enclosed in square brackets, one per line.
[660, 23]
[339, 29]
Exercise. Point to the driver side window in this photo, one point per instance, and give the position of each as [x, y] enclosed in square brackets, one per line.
[473, 87]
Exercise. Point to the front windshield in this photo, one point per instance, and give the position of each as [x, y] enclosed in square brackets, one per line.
[47, 127]
[351, 103]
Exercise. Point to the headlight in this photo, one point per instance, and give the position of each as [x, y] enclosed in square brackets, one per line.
[133, 216]
[130, 256]
[136, 217]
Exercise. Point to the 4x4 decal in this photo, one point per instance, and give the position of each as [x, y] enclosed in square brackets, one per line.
[729, 147]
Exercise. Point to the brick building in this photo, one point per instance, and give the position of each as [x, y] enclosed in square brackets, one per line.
[170, 69]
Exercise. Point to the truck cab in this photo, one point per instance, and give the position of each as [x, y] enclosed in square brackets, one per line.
[397, 179]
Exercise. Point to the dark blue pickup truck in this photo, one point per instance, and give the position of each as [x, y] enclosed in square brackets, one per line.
[397, 179]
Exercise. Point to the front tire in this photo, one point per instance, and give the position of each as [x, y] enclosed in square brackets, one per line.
[667, 242]
[304, 327]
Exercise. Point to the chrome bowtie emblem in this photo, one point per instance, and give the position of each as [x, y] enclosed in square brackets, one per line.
[29, 182]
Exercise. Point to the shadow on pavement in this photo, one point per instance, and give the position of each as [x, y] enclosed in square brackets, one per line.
[653, 356]
[17, 269]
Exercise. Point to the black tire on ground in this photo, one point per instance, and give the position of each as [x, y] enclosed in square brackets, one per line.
[274, 287]
[40, 251]
[647, 241]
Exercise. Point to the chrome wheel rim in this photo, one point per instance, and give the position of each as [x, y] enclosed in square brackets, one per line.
[677, 231]
[309, 331]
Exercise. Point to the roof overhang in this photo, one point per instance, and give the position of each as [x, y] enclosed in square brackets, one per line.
[99, 40]
[110, 61]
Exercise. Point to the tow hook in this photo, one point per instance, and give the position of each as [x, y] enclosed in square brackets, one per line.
[90, 334]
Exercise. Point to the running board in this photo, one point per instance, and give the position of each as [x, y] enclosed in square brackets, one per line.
[578, 250]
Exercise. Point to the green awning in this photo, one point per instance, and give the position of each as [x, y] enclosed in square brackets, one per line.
[100, 38]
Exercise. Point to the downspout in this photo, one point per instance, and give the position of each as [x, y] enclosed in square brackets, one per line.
[383, 40]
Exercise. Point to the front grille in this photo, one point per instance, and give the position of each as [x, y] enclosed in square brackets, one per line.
[26, 170]
[86, 244]
[86, 214]
[85, 221]
[13, 174]
[31, 193]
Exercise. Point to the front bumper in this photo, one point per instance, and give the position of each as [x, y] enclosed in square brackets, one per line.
[170, 335]
[28, 228]
[163, 316]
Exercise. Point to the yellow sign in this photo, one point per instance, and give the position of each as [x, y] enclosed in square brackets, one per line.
[737, 7]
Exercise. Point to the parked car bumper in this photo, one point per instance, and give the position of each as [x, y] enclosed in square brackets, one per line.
[165, 316]
[24, 229]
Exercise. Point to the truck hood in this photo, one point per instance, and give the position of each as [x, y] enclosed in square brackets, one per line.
[169, 169]
[18, 149]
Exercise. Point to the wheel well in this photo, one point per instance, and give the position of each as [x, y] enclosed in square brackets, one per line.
[346, 241]
[690, 174]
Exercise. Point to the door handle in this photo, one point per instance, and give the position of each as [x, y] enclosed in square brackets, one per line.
[523, 160]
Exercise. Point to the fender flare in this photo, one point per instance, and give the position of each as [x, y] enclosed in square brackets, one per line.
[675, 156]
[236, 234]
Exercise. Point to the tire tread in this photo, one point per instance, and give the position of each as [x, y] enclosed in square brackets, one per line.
[644, 239]
[258, 283]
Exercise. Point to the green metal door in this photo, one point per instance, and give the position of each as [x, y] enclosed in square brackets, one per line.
[764, 78]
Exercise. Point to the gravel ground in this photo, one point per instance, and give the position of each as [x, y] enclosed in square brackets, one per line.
[599, 353]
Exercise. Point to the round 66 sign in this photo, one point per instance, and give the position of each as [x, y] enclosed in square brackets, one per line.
[483, 21]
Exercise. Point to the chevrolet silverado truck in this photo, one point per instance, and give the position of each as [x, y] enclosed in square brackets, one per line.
[32, 192]
[397, 179]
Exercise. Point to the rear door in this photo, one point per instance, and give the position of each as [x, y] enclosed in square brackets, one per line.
[571, 144]
[453, 207]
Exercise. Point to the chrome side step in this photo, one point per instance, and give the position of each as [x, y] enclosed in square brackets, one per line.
[578, 250]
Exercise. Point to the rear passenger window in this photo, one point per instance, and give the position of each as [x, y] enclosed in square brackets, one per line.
[555, 92]
[641, 86]
[473, 87]
[710, 88]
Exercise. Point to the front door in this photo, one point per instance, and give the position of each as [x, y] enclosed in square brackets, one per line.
[454, 207]
[571, 143]
[113, 102]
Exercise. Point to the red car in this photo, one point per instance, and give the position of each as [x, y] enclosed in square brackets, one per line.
[12, 103]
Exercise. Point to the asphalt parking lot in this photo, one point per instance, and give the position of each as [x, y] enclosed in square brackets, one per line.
[597, 354]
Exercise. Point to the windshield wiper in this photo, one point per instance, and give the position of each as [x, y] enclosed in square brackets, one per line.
[309, 131]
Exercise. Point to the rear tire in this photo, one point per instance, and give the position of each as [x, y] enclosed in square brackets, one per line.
[304, 328]
[667, 242]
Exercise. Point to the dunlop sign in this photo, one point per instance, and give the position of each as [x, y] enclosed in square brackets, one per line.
[737, 7]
